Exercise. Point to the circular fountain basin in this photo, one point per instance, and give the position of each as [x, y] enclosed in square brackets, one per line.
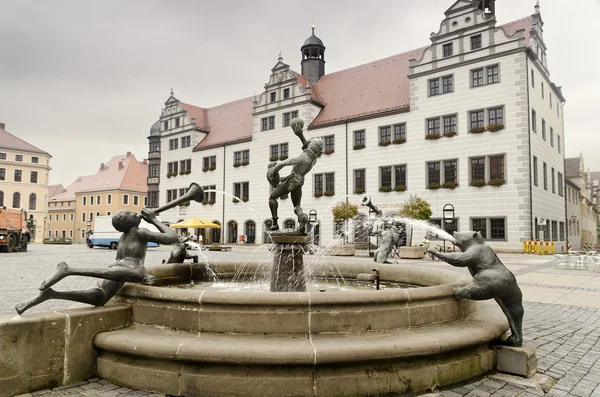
[343, 343]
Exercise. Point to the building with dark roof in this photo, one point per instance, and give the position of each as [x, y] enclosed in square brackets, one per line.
[471, 119]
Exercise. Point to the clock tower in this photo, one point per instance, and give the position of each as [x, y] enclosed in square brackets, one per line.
[313, 58]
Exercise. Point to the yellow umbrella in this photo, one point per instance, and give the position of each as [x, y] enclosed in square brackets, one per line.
[195, 223]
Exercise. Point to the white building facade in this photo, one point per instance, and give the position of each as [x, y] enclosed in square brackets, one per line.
[471, 120]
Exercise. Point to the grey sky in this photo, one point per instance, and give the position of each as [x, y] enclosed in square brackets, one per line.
[83, 80]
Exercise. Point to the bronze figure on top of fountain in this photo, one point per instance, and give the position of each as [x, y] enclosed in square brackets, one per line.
[391, 230]
[129, 264]
[292, 184]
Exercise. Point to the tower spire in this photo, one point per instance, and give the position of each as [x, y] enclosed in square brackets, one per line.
[537, 7]
[313, 25]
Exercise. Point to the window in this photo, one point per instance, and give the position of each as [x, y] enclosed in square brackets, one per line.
[480, 225]
[136, 200]
[434, 87]
[16, 200]
[492, 74]
[551, 137]
[532, 79]
[242, 190]
[359, 181]
[554, 230]
[550, 95]
[72, 217]
[359, 139]
[400, 175]
[318, 184]
[154, 170]
[496, 167]
[64, 216]
[185, 166]
[173, 168]
[165, 125]
[264, 123]
[273, 96]
[545, 171]
[2, 174]
[83, 200]
[286, 93]
[18, 175]
[18, 157]
[49, 216]
[447, 84]
[91, 219]
[385, 177]
[109, 199]
[246, 157]
[543, 129]
[36, 160]
[447, 50]
[562, 231]
[177, 125]
[433, 126]
[498, 229]
[274, 152]
[33, 177]
[450, 171]
[154, 199]
[385, 134]
[171, 195]
[496, 116]
[535, 171]
[475, 42]
[542, 90]
[329, 183]
[450, 124]
[477, 77]
[271, 122]
[560, 184]
[288, 117]
[154, 147]
[32, 201]
[91, 200]
[213, 162]
[284, 150]
[533, 120]
[125, 199]
[433, 173]
[557, 144]
[2, 156]
[173, 144]
[329, 144]
[477, 169]
[477, 119]
[186, 141]
[400, 132]
[237, 158]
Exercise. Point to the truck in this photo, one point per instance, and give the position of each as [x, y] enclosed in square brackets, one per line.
[105, 235]
[14, 233]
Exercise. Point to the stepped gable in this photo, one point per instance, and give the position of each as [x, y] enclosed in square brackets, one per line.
[227, 123]
[11, 142]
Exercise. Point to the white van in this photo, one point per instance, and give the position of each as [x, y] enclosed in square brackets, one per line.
[105, 235]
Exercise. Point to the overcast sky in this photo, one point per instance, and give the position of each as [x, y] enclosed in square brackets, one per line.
[83, 80]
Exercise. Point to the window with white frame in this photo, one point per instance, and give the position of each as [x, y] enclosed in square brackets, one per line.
[125, 199]
[136, 200]
[109, 199]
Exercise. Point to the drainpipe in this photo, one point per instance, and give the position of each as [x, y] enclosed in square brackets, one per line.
[223, 197]
[346, 236]
[530, 155]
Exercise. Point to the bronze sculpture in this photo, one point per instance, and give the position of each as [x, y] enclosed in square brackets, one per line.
[129, 264]
[179, 252]
[491, 280]
[292, 184]
[391, 230]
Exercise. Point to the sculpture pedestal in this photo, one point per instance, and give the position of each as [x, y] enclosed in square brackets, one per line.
[288, 261]
[412, 252]
[517, 360]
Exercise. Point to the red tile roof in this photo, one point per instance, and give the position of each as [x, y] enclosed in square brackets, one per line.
[54, 189]
[11, 142]
[130, 176]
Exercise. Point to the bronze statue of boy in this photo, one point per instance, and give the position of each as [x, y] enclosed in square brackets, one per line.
[292, 184]
[129, 266]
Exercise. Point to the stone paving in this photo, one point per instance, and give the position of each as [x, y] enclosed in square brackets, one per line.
[562, 318]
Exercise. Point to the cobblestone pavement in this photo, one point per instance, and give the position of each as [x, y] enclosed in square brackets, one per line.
[566, 335]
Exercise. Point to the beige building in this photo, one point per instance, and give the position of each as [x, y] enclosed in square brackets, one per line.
[24, 171]
[118, 184]
[582, 213]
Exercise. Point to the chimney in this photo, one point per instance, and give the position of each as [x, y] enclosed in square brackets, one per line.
[128, 154]
[145, 161]
[102, 167]
[1, 126]
[120, 164]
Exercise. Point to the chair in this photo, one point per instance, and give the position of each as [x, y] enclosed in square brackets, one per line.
[561, 259]
[576, 261]
[594, 261]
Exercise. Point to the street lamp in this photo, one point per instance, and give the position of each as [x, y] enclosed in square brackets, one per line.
[448, 214]
[312, 220]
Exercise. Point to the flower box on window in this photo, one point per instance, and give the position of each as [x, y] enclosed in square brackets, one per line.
[358, 147]
[432, 136]
[245, 199]
[495, 127]
[496, 182]
[205, 169]
[181, 172]
[384, 143]
[477, 130]
[450, 185]
[245, 163]
[399, 188]
[449, 134]
[318, 194]
[273, 158]
[478, 183]
[328, 194]
[359, 191]
[235, 200]
[204, 202]
[237, 164]
[434, 186]
[385, 189]
[283, 157]
[212, 168]
[211, 202]
[328, 151]
[185, 204]
[169, 174]
[399, 141]
[188, 172]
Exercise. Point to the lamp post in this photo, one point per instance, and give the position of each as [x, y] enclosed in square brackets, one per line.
[312, 220]
[448, 214]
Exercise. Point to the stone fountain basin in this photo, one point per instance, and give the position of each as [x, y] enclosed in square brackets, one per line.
[223, 343]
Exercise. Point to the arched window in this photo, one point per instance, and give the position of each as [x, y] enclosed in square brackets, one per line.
[250, 232]
[16, 200]
[232, 232]
[215, 234]
[1, 198]
[289, 224]
[32, 201]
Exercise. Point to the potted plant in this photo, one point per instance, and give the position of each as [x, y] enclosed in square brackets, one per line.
[434, 186]
[449, 134]
[328, 151]
[359, 191]
[415, 208]
[236, 165]
[358, 147]
[495, 127]
[318, 194]
[477, 130]
[181, 172]
[211, 202]
[204, 202]
[433, 136]
[496, 182]
[188, 172]
[245, 199]
[398, 141]
[384, 143]
[212, 168]
[169, 175]
[450, 185]
[245, 163]
[204, 169]
[385, 189]
[399, 188]
[478, 183]
[342, 212]
[282, 157]
[328, 193]
[273, 158]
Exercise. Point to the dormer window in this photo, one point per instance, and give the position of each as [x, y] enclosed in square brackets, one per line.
[447, 50]
[273, 97]
[286, 93]
[475, 42]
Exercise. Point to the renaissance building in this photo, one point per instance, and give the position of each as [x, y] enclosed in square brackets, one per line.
[472, 119]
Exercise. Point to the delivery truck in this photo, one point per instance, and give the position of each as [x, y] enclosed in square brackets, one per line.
[105, 235]
[14, 233]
